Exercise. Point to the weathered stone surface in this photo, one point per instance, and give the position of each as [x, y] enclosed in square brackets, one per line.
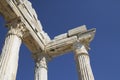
[25, 13]
[10, 54]
[77, 30]
[41, 68]
[62, 43]
[61, 36]
[22, 14]
[83, 62]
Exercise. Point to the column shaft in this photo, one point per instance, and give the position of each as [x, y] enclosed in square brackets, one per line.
[9, 58]
[10, 53]
[83, 63]
[41, 68]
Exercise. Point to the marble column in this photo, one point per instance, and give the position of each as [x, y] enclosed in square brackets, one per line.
[83, 62]
[10, 53]
[41, 68]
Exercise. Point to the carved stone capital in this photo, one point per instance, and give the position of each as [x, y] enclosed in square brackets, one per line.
[17, 29]
[41, 62]
[83, 62]
[79, 49]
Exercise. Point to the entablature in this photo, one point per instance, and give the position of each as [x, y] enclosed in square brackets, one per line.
[63, 43]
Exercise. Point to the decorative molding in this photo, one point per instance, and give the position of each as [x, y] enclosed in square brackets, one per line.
[17, 29]
[41, 62]
[79, 49]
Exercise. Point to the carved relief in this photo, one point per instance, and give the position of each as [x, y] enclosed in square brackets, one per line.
[17, 29]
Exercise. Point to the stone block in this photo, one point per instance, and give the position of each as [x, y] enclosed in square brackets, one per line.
[62, 36]
[77, 30]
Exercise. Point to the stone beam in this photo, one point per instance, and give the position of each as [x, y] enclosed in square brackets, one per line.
[23, 11]
[64, 42]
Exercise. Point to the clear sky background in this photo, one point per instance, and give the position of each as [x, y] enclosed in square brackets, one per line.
[57, 17]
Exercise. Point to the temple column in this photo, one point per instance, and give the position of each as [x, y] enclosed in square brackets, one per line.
[41, 68]
[10, 53]
[83, 62]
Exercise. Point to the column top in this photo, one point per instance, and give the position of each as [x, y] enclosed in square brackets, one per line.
[17, 29]
[79, 49]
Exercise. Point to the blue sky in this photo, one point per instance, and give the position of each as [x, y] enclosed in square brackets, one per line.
[57, 17]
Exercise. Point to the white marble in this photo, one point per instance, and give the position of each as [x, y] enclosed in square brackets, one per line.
[41, 68]
[10, 55]
[83, 62]
[39, 42]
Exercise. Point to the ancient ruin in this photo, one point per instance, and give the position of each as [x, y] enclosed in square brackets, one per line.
[24, 27]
